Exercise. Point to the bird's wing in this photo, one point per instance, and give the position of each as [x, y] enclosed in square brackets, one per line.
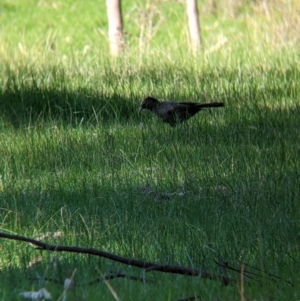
[171, 108]
[166, 112]
[174, 112]
[165, 108]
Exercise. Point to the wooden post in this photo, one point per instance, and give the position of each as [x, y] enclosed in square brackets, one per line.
[115, 26]
[194, 27]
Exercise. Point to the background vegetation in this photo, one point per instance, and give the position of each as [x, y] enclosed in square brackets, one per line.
[77, 159]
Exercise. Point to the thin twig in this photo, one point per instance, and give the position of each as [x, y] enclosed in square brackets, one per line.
[96, 280]
[252, 275]
[109, 286]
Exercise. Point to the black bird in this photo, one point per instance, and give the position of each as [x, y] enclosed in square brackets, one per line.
[175, 112]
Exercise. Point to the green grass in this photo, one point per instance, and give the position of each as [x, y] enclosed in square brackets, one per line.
[76, 157]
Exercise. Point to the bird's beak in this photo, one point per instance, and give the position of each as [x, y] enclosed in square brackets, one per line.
[140, 109]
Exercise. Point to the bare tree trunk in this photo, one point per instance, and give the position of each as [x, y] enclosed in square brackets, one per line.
[194, 27]
[115, 26]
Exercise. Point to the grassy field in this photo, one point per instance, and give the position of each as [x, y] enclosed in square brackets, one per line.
[77, 159]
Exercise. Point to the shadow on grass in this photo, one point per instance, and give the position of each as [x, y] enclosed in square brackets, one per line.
[31, 106]
[33, 96]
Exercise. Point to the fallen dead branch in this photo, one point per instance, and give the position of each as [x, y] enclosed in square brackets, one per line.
[148, 266]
